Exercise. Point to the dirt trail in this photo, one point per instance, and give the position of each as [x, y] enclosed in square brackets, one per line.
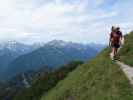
[128, 70]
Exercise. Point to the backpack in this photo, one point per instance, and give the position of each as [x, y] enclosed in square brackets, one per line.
[115, 37]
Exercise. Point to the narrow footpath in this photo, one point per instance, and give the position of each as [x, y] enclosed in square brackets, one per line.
[128, 70]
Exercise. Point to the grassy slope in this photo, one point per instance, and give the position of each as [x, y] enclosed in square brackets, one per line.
[126, 53]
[99, 79]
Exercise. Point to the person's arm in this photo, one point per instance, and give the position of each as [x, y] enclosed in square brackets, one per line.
[110, 40]
[122, 39]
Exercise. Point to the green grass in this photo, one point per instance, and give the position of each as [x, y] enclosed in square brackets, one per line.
[126, 53]
[99, 79]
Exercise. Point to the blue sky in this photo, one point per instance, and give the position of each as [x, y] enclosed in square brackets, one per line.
[83, 21]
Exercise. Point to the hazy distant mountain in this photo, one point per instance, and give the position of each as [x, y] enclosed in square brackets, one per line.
[52, 54]
[57, 43]
[9, 51]
[97, 47]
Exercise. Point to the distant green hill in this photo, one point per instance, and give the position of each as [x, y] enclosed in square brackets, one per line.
[126, 53]
[99, 79]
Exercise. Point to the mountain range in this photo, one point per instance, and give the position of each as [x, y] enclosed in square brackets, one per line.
[17, 57]
[11, 50]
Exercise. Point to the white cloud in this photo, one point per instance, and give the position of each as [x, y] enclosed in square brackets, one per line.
[80, 20]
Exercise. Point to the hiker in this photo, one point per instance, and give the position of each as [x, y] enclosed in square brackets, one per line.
[115, 41]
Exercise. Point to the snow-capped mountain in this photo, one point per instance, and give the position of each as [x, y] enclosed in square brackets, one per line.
[80, 46]
[57, 43]
[17, 47]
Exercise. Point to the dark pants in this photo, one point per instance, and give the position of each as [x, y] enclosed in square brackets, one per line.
[115, 45]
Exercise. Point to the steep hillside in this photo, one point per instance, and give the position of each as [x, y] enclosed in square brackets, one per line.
[31, 85]
[99, 79]
[126, 53]
[9, 88]
[43, 82]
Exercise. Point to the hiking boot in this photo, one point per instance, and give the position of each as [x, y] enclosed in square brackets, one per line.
[111, 56]
[116, 57]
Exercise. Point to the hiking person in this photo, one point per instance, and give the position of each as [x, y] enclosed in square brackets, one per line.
[115, 41]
